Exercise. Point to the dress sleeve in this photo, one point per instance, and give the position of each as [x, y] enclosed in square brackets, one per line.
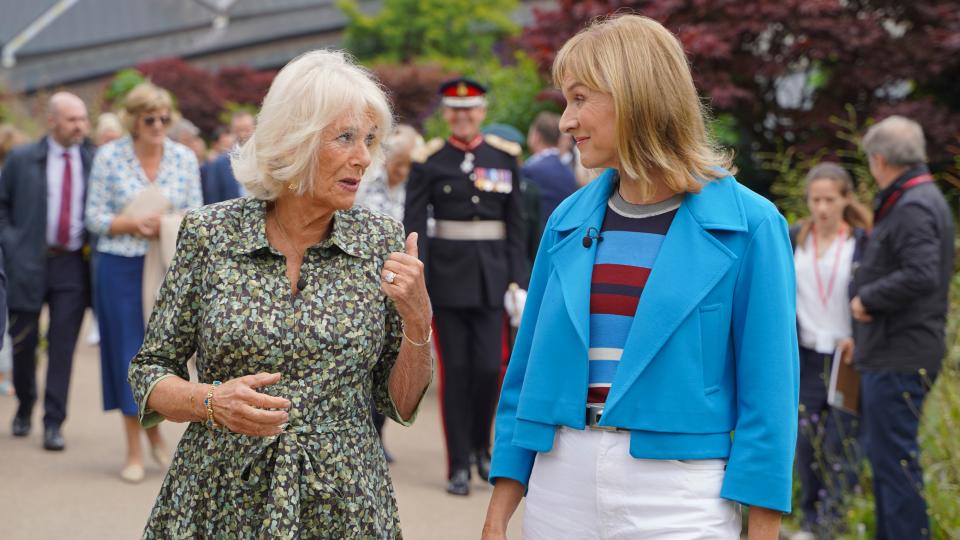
[171, 336]
[392, 339]
[192, 177]
[98, 215]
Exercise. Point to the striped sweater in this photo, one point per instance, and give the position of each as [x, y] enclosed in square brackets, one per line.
[632, 235]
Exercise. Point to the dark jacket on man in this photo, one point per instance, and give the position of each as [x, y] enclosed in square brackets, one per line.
[217, 180]
[903, 280]
[23, 221]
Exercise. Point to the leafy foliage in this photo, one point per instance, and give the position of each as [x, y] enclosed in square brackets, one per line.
[514, 95]
[784, 69]
[202, 96]
[412, 88]
[405, 30]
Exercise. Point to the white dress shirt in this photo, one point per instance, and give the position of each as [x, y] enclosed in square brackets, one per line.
[822, 326]
[55, 170]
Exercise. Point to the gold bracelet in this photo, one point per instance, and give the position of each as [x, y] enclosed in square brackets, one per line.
[403, 330]
[208, 403]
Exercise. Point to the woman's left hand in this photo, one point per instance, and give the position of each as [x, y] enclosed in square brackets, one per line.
[402, 281]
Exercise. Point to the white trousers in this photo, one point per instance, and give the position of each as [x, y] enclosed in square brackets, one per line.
[589, 487]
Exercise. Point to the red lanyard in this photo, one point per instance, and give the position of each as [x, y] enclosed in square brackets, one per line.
[465, 146]
[913, 182]
[825, 296]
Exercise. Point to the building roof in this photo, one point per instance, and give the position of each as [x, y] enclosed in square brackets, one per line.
[93, 38]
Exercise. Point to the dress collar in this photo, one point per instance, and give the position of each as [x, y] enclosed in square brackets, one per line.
[348, 233]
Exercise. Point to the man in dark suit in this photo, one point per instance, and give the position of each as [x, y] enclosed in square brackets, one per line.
[42, 194]
[474, 253]
[900, 304]
[216, 176]
[545, 169]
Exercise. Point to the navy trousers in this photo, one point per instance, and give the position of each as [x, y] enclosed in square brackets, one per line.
[471, 347]
[67, 295]
[828, 450]
[891, 403]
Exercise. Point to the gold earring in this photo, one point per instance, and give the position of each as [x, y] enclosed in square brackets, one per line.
[292, 187]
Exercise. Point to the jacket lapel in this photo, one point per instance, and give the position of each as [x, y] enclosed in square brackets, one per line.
[573, 262]
[690, 264]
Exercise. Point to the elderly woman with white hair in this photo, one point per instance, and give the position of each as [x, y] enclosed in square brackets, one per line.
[307, 309]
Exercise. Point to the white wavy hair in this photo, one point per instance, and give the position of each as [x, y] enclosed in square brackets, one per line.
[307, 95]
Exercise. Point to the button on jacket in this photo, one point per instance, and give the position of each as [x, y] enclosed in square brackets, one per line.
[710, 366]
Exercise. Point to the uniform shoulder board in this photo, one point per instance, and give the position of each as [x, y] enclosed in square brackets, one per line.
[503, 145]
[420, 155]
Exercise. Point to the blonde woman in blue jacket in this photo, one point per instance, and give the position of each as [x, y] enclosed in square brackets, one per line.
[653, 385]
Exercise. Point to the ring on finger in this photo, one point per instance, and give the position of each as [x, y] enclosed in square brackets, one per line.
[390, 276]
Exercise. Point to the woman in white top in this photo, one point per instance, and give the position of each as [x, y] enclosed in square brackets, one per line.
[121, 170]
[825, 250]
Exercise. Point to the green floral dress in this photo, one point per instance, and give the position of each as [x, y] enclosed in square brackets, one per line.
[227, 299]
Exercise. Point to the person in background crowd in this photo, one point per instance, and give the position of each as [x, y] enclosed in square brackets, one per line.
[653, 384]
[476, 251]
[570, 156]
[9, 138]
[42, 192]
[529, 191]
[216, 176]
[108, 128]
[386, 193]
[121, 171]
[242, 125]
[296, 289]
[187, 133]
[223, 141]
[544, 168]
[826, 248]
[900, 304]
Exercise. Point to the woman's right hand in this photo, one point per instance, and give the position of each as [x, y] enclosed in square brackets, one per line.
[241, 409]
[148, 226]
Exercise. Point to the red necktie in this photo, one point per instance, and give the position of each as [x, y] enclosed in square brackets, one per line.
[63, 224]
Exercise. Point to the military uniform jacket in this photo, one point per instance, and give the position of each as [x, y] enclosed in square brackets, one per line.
[468, 273]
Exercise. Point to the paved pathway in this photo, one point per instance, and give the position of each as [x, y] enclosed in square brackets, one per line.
[78, 495]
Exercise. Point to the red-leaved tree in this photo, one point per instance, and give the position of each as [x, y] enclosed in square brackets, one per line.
[198, 96]
[783, 69]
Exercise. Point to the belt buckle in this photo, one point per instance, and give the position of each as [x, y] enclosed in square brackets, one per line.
[594, 414]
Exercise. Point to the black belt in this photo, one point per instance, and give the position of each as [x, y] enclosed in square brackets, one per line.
[54, 251]
[594, 413]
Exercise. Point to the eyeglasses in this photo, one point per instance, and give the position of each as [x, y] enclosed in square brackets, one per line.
[151, 120]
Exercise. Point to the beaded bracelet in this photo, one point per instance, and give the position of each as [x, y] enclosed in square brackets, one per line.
[208, 403]
[403, 330]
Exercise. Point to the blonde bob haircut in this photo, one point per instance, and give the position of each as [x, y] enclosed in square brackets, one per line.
[309, 94]
[145, 98]
[660, 120]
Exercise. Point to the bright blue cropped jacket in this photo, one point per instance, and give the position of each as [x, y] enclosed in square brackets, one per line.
[710, 368]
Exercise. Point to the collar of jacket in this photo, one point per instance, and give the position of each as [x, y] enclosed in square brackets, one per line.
[690, 264]
[885, 193]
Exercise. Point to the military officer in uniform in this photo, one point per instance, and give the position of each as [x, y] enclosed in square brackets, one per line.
[473, 255]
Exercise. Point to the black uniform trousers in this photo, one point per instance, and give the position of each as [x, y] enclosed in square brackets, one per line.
[471, 346]
[828, 450]
[66, 296]
[891, 403]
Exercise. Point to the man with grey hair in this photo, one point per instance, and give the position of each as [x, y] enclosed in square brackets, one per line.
[42, 235]
[900, 305]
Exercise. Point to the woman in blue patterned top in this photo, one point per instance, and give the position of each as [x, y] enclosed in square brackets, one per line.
[653, 383]
[121, 170]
